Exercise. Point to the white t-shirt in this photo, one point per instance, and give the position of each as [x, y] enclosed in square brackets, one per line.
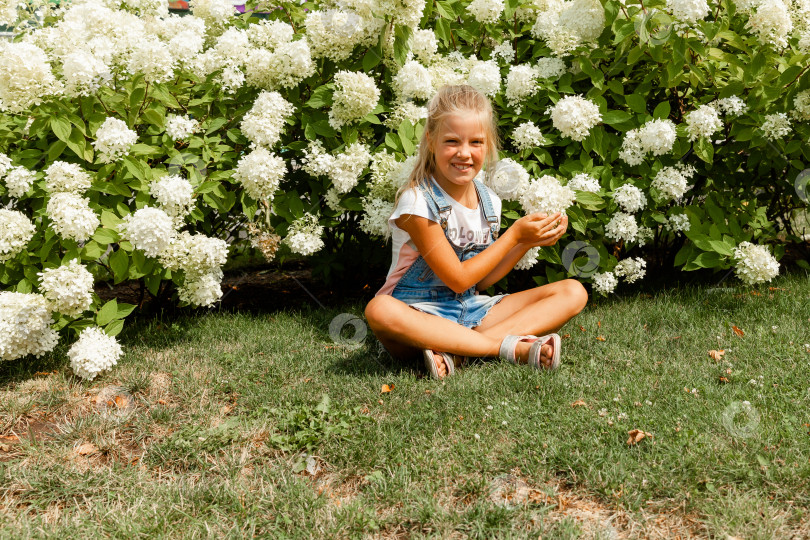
[464, 225]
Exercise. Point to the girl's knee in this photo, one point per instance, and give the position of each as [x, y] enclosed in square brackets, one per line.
[576, 293]
[379, 312]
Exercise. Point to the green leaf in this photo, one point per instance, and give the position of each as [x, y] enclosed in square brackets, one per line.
[708, 260]
[119, 263]
[61, 128]
[637, 103]
[662, 110]
[401, 49]
[616, 117]
[321, 97]
[105, 236]
[704, 149]
[56, 150]
[107, 313]
[114, 327]
[590, 201]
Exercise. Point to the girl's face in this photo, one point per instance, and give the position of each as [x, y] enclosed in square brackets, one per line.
[460, 148]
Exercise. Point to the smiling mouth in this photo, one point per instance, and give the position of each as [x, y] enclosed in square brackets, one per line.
[462, 167]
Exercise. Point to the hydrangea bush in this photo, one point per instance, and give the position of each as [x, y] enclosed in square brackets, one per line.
[136, 144]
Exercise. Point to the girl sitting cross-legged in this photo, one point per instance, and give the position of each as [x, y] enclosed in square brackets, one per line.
[446, 248]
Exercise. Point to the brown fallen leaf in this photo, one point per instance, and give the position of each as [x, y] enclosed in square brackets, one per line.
[86, 449]
[600, 338]
[724, 379]
[717, 355]
[581, 327]
[5, 448]
[120, 402]
[162, 401]
[565, 336]
[635, 435]
[599, 324]
[386, 388]
[579, 403]
[737, 330]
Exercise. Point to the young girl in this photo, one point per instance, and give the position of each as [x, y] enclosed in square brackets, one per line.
[446, 247]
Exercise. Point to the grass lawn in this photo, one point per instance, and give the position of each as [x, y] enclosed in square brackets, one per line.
[217, 425]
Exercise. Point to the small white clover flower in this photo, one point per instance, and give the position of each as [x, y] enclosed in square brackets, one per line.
[93, 353]
[62, 176]
[71, 216]
[180, 128]
[574, 116]
[25, 325]
[68, 288]
[16, 230]
[114, 140]
[149, 229]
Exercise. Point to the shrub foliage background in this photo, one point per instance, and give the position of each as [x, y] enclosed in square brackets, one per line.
[293, 129]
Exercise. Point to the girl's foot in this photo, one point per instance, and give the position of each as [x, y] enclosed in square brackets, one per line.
[439, 364]
[546, 353]
[539, 352]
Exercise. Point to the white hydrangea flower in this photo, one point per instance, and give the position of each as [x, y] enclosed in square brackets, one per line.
[93, 353]
[71, 216]
[18, 181]
[356, 95]
[703, 122]
[63, 176]
[801, 107]
[529, 259]
[214, 12]
[304, 235]
[505, 51]
[546, 194]
[285, 67]
[527, 135]
[688, 11]
[776, 126]
[153, 59]
[270, 34]
[509, 179]
[424, 45]
[25, 325]
[8, 12]
[413, 81]
[180, 128]
[5, 164]
[263, 123]
[260, 173]
[629, 198]
[114, 140]
[550, 68]
[384, 176]
[25, 76]
[68, 288]
[521, 84]
[604, 283]
[16, 230]
[194, 254]
[566, 25]
[174, 193]
[755, 264]
[448, 70]
[658, 136]
[347, 166]
[673, 182]
[485, 77]
[771, 22]
[332, 199]
[574, 116]
[584, 182]
[486, 11]
[84, 73]
[149, 229]
[203, 290]
[334, 33]
[407, 110]
[622, 227]
[631, 269]
[632, 151]
[678, 223]
[645, 234]
[730, 106]
[375, 217]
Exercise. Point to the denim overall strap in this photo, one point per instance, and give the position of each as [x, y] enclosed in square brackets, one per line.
[488, 209]
[436, 202]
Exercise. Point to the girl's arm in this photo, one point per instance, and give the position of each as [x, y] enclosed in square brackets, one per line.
[515, 254]
[431, 243]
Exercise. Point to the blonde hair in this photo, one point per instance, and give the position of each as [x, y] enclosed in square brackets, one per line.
[447, 101]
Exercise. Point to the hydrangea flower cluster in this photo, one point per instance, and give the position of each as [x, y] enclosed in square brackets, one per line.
[485, 77]
[26, 77]
[260, 173]
[304, 235]
[703, 122]
[180, 128]
[801, 106]
[174, 194]
[629, 198]
[755, 264]
[152, 58]
[486, 11]
[771, 22]
[656, 136]
[604, 283]
[521, 84]
[407, 110]
[509, 179]
[564, 26]
[25, 325]
[631, 269]
[505, 51]
[71, 216]
[546, 194]
[16, 230]
[776, 126]
[527, 135]
[730, 106]
[584, 182]
[201, 259]
[68, 288]
[622, 227]
[84, 73]
[334, 33]
[18, 181]
[114, 140]
[344, 169]
[529, 259]
[93, 353]
[214, 12]
[375, 217]
[267, 242]
[678, 223]
[263, 123]
[413, 81]
[5, 164]
[356, 95]
[673, 182]
[688, 11]
[149, 229]
[62, 176]
[574, 116]
[424, 45]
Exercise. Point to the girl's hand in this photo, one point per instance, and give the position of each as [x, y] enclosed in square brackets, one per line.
[540, 229]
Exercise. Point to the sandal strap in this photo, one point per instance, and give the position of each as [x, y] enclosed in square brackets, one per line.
[535, 352]
[509, 346]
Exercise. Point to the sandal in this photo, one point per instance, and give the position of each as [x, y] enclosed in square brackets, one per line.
[509, 346]
[430, 363]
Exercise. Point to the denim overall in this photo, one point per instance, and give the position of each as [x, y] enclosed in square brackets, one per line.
[420, 288]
